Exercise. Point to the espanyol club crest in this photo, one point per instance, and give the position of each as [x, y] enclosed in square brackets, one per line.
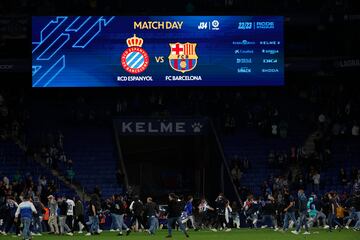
[182, 56]
[135, 59]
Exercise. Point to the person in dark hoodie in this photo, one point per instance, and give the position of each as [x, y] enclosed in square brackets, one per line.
[137, 210]
[119, 207]
[151, 211]
[333, 204]
[10, 208]
[79, 215]
[268, 210]
[37, 217]
[289, 210]
[64, 228]
[175, 208]
[93, 213]
[220, 211]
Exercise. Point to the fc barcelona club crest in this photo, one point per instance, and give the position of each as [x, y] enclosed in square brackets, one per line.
[135, 59]
[182, 56]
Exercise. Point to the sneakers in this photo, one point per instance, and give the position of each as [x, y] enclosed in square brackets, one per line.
[88, 234]
[213, 229]
[228, 230]
[112, 230]
[80, 232]
[326, 227]
[276, 229]
[69, 234]
[81, 227]
[298, 232]
[264, 226]
[347, 227]
[292, 223]
[128, 231]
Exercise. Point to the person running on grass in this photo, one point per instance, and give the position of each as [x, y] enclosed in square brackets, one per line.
[174, 215]
[25, 210]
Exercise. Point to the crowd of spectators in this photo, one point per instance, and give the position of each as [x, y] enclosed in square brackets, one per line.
[316, 109]
[51, 152]
[24, 184]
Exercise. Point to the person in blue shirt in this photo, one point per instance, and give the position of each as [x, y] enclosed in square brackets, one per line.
[25, 210]
[188, 213]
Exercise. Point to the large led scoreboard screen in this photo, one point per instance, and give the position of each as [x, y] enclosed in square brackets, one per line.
[119, 51]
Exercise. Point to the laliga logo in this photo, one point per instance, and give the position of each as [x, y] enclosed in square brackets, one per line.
[135, 59]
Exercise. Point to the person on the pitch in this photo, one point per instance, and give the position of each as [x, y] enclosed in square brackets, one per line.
[303, 211]
[189, 213]
[221, 202]
[120, 204]
[289, 209]
[269, 212]
[151, 211]
[332, 214]
[137, 209]
[174, 215]
[25, 211]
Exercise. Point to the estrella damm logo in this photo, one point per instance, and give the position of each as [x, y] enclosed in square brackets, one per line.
[182, 56]
[135, 59]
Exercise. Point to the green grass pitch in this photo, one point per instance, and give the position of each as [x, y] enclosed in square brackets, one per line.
[242, 234]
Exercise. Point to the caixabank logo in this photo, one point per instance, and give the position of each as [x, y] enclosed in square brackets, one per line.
[135, 59]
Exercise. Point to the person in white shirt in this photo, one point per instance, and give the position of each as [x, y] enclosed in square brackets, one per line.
[228, 216]
[203, 212]
[70, 213]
